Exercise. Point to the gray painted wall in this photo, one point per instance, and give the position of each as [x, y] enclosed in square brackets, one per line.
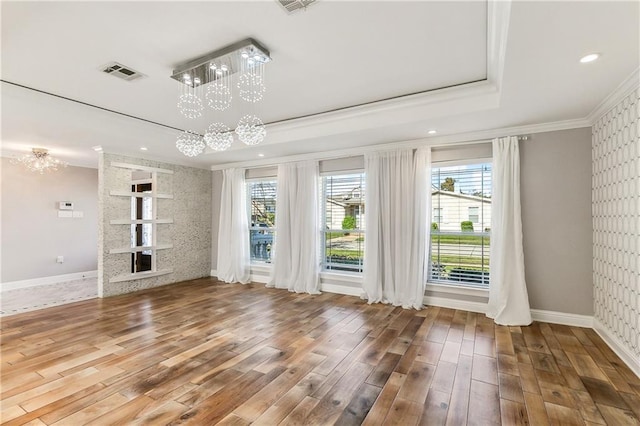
[190, 232]
[556, 210]
[32, 233]
[555, 179]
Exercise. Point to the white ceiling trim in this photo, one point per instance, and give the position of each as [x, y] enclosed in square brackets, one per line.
[516, 130]
[445, 102]
[630, 84]
[456, 100]
[498, 18]
[457, 139]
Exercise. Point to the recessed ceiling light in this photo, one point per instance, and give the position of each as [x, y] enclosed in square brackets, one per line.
[589, 58]
[97, 148]
[432, 132]
[260, 155]
[143, 148]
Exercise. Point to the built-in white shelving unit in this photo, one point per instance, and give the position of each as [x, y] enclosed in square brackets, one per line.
[140, 248]
[140, 275]
[116, 193]
[138, 221]
[155, 246]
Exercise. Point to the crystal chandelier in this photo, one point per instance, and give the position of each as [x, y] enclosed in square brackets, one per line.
[39, 160]
[190, 144]
[250, 130]
[218, 137]
[207, 86]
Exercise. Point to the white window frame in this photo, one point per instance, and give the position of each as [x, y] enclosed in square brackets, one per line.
[271, 229]
[455, 287]
[323, 217]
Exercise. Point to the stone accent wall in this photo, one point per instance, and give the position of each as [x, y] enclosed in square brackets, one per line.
[190, 232]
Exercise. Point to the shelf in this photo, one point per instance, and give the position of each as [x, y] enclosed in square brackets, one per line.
[117, 193]
[140, 168]
[140, 248]
[139, 275]
[138, 221]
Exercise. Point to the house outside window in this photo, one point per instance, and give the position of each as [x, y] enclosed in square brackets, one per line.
[261, 195]
[459, 248]
[343, 219]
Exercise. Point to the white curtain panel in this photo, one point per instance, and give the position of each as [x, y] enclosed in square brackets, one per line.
[398, 199]
[508, 299]
[234, 257]
[296, 260]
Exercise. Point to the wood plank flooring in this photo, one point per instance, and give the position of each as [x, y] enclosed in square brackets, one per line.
[204, 352]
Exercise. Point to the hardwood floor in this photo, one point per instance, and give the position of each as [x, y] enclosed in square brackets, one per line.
[203, 352]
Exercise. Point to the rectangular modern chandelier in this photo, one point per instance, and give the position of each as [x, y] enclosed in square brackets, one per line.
[234, 57]
[206, 85]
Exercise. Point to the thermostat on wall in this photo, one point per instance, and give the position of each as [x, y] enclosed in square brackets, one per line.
[65, 205]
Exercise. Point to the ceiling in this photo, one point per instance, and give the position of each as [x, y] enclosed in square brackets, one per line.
[331, 64]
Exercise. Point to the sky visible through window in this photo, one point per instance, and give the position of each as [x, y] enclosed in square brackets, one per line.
[472, 179]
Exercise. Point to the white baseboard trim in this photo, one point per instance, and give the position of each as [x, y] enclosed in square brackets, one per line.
[464, 305]
[563, 318]
[341, 289]
[632, 361]
[213, 273]
[54, 279]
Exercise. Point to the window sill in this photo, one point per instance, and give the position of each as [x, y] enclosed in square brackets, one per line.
[455, 289]
[261, 266]
[341, 277]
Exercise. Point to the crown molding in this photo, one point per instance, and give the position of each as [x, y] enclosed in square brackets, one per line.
[455, 139]
[527, 129]
[438, 98]
[463, 98]
[630, 84]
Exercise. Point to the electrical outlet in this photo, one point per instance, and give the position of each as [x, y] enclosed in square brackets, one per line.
[60, 259]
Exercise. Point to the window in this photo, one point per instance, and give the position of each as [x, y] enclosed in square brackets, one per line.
[262, 220]
[460, 242]
[437, 216]
[474, 214]
[343, 217]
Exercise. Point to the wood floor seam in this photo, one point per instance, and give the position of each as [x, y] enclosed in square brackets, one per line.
[204, 352]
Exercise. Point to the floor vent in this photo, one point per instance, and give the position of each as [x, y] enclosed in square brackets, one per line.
[295, 5]
[121, 71]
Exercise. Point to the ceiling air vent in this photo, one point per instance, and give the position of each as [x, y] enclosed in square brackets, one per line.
[123, 72]
[295, 5]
